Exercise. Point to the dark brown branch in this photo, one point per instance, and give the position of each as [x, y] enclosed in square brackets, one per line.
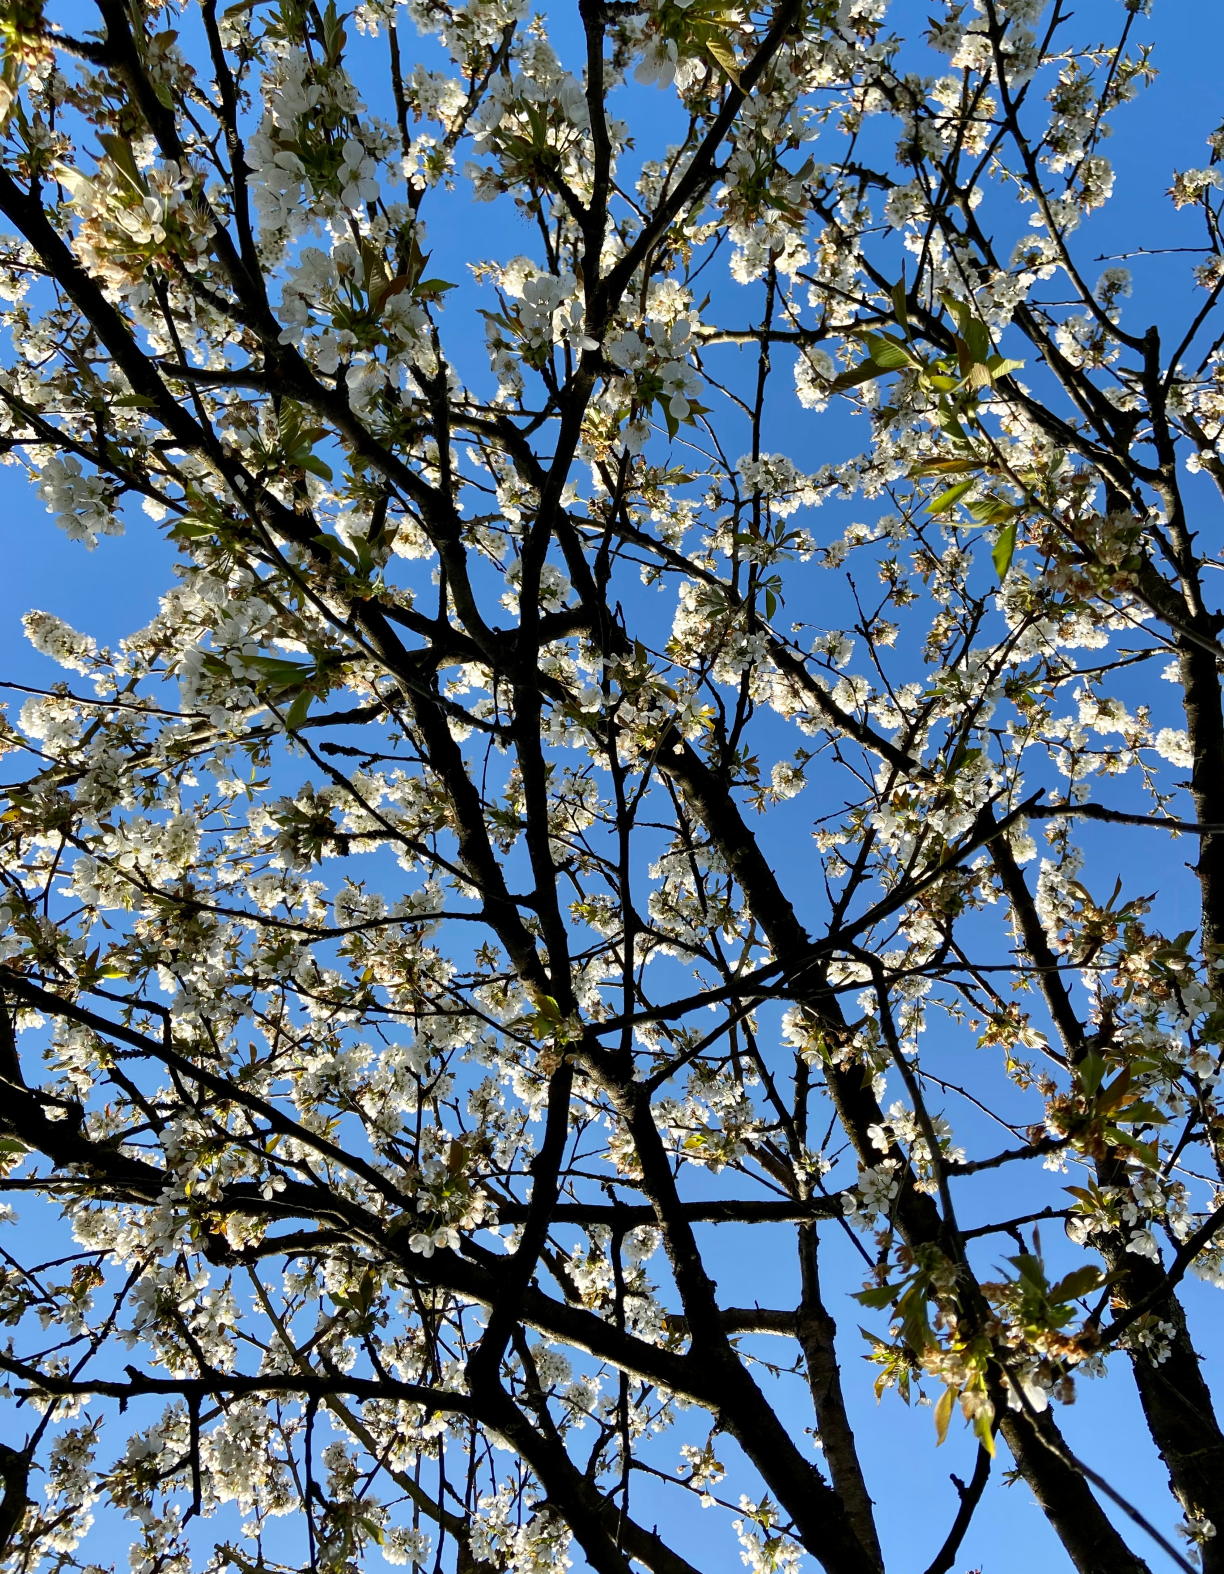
[970, 1496]
[731, 1211]
[1096, 811]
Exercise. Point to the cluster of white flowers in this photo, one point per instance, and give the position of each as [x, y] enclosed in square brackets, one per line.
[877, 1188]
[80, 502]
[539, 1546]
[51, 636]
[764, 1549]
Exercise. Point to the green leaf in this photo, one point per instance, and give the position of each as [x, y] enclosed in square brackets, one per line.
[133, 402]
[977, 341]
[722, 54]
[121, 156]
[879, 1296]
[374, 268]
[892, 358]
[365, 563]
[336, 547]
[275, 670]
[296, 713]
[188, 528]
[886, 353]
[851, 378]
[1030, 1269]
[1091, 1071]
[1004, 550]
[1115, 1095]
[943, 1414]
[316, 466]
[964, 756]
[898, 300]
[1141, 1113]
[942, 467]
[992, 510]
[1143, 1151]
[334, 38]
[948, 499]
[1081, 1282]
[978, 376]
[962, 311]
[547, 1018]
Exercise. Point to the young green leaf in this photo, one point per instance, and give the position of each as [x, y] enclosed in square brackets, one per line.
[854, 375]
[297, 712]
[943, 1414]
[724, 55]
[1004, 550]
[992, 510]
[878, 1296]
[899, 303]
[1083, 1281]
[886, 353]
[949, 499]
